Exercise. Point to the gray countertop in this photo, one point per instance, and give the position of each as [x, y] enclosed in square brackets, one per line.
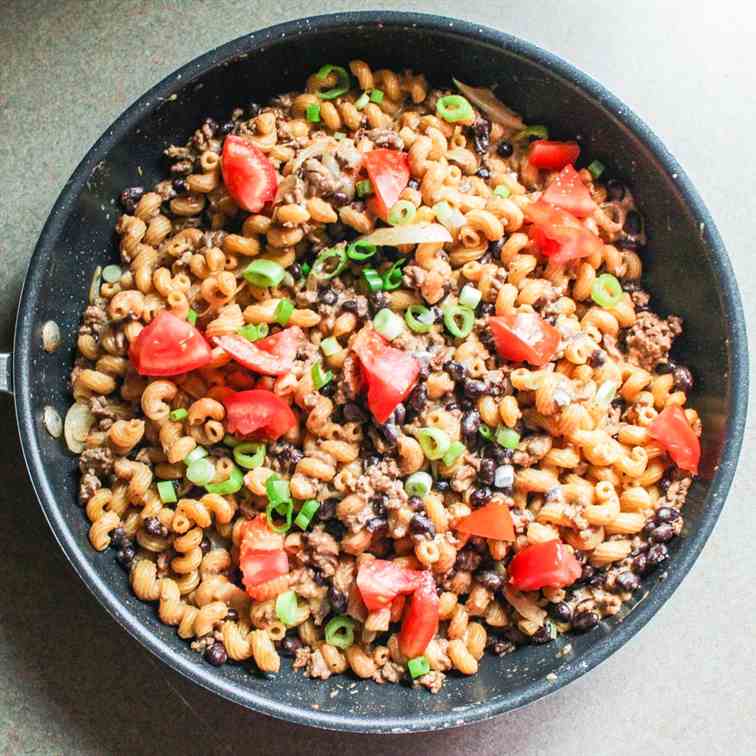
[72, 682]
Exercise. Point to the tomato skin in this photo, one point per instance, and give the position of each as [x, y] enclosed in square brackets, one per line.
[672, 431]
[544, 565]
[490, 521]
[273, 355]
[261, 555]
[390, 374]
[524, 337]
[420, 622]
[169, 346]
[248, 174]
[258, 411]
[572, 240]
[389, 174]
[380, 581]
[552, 156]
[569, 193]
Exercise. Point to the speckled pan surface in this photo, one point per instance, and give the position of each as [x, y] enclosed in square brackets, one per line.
[687, 271]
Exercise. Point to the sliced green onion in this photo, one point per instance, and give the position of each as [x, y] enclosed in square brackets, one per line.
[339, 632]
[339, 135]
[306, 268]
[329, 263]
[418, 484]
[596, 168]
[191, 316]
[373, 280]
[453, 108]
[434, 442]
[539, 132]
[388, 323]
[312, 113]
[111, 273]
[392, 278]
[343, 82]
[419, 318]
[361, 102]
[320, 377]
[418, 667]
[361, 250]
[286, 607]
[401, 213]
[230, 440]
[502, 191]
[376, 96]
[231, 485]
[363, 188]
[166, 491]
[283, 509]
[470, 296]
[487, 432]
[197, 453]
[458, 320]
[443, 211]
[264, 273]
[200, 472]
[606, 392]
[330, 346]
[606, 291]
[507, 438]
[253, 332]
[306, 513]
[277, 489]
[455, 451]
[283, 312]
[248, 461]
[178, 414]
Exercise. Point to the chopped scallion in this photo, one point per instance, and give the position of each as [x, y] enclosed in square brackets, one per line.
[361, 102]
[178, 415]
[434, 442]
[502, 191]
[606, 291]
[320, 377]
[388, 323]
[402, 212]
[330, 346]
[283, 312]
[419, 318]
[373, 280]
[283, 509]
[487, 432]
[166, 491]
[532, 132]
[200, 472]
[507, 438]
[343, 81]
[470, 296]
[392, 278]
[454, 452]
[197, 453]
[286, 607]
[418, 667]
[376, 96]
[231, 485]
[247, 460]
[418, 484]
[312, 113]
[329, 263]
[596, 168]
[263, 273]
[339, 632]
[191, 316]
[458, 320]
[453, 108]
[306, 513]
[363, 188]
[111, 273]
[361, 250]
[253, 332]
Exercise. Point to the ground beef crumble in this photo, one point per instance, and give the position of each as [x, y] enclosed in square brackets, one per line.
[650, 338]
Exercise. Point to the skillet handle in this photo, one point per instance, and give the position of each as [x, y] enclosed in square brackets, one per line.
[6, 373]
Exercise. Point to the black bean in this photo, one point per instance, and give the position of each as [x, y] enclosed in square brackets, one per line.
[545, 634]
[337, 231]
[118, 538]
[205, 545]
[588, 574]
[598, 580]
[627, 581]
[349, 305]
[353, 413]
[327, 296]
[398, 415]
[657, 554]
[375, 524]
[329, 389]
[327, 510]
[413, 183]
[596, 359]
[473, 389]
[372, 460]
[649, 527]
[378, 301]
[504, 149]
[615, 190]
[378, 503]
[216, 654]
[390, 434]
[489, 579]
[456, 370]
[453, 406]
[415, 503]
[442, 485]
[296, 271]
[335, 528]
[500, 647]
[484, 173]
[470, 425]
[480, 496]
[290, 645]
[639, 564]
[663, 533]
[253, 109]
[340, 199]
[487, 472]
[227, 128]
[418, 398]
[662, 368]
[467, 560]
[125, 555]
[481, 131]
[337, 599]
[585, 621]
[667, 514]
[129, 198]
[633, 223]
[420, 525]
[180, 186]
[683, 379]
[479, 545]
[487, 308]
[154, 527]
[561, 611]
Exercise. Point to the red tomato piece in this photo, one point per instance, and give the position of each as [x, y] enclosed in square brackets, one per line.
[552, 156]
[491, 521]
[544, 565]
[524, 337]
[572, 239]
[390, 374]
[261, 555]
[397, 607]
[389, 174]
[258, 411]
[547, 246]
[569, 193]
[273, 355]
[248, 174]
[381, 581]
[672, 431]
[169, 346]
[256, 535]
[420, 622]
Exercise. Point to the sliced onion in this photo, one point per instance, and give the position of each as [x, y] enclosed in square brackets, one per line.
[53, 423]
[486, 100]
[528, 609]
[286, 186]
[314, 150]
[415, 233]
[76, 426]
[50, 336]
[94, 287]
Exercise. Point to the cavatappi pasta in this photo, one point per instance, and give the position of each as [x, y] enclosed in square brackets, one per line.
[396, 238]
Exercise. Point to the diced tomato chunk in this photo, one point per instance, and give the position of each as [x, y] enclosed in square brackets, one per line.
[380, 581]
[490, 521]
[552, 156]
[569, 193]
[571, 240]
[389, 174]
[420, 621]
[672, 431]
[524, 337]
[273, 355]
[259, 412]
[261, 555]
[248, 174]
[544, 565]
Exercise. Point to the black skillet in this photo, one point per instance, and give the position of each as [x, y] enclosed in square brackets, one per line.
[687, 270]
